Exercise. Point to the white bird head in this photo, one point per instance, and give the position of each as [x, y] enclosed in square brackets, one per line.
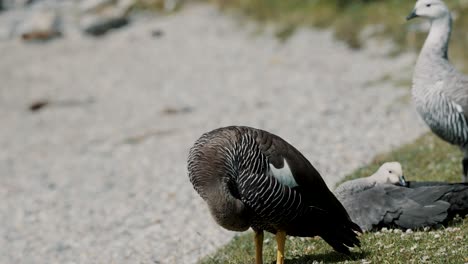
[389, 172]
[429, 9]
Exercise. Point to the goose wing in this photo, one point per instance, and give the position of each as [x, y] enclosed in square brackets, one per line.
[292, 169]
[324, 215]
[288, 165]
[389, 205]
[454, 193]
[459, 92]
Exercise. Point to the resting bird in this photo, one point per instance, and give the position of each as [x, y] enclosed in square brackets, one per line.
[251, 178]
[380, 200]
[440, 92]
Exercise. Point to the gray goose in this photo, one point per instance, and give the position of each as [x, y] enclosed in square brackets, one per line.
[440, 92]
[385, 199]
[252, 178]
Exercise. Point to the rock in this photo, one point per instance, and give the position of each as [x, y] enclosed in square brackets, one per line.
[99, 16]
[41, 25]
[157, 33]
[98, 24]
[38, 105]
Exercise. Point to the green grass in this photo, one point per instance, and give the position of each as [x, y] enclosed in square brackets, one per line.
[428, 158]
[392, 246]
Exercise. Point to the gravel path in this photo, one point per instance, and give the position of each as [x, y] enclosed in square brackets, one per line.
[99, 175]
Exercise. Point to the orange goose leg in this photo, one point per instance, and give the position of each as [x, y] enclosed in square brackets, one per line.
[280, 241]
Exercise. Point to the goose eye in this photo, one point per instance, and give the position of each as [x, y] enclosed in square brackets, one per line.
[390, 171]
[428, 5]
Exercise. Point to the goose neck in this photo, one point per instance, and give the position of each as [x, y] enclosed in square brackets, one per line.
[436, 44]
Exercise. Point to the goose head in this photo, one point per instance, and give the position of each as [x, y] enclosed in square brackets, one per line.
[390, 173]
[429, 9]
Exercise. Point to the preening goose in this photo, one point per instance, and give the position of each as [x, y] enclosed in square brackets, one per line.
[440, 92]
[252, 178]
[380, 201]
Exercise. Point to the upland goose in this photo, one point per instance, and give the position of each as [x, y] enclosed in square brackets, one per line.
[440, 92]
[252, 178]
[380, 201]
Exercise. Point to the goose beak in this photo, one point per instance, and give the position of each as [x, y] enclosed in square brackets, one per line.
[412, 15]
[403, 181]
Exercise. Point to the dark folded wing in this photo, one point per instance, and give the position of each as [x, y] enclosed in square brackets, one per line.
[389, 205]
[296, 170]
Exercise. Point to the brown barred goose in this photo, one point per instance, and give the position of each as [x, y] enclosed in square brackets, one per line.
[252, 178]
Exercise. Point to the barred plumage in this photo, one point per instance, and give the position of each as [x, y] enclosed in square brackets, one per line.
[445, 119]
[440, 92]
[231, 169]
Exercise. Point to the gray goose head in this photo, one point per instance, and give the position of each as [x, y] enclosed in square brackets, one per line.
[429, 9]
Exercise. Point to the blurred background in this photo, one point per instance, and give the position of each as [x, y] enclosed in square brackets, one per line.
[100, 101]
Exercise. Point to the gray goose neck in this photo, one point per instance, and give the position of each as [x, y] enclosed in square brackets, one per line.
[436, 44]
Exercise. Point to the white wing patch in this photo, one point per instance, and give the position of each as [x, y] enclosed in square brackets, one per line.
[283, 175]
[459, 108]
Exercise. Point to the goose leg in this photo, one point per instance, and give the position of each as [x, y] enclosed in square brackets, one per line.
[259, 247]
[280, 241]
